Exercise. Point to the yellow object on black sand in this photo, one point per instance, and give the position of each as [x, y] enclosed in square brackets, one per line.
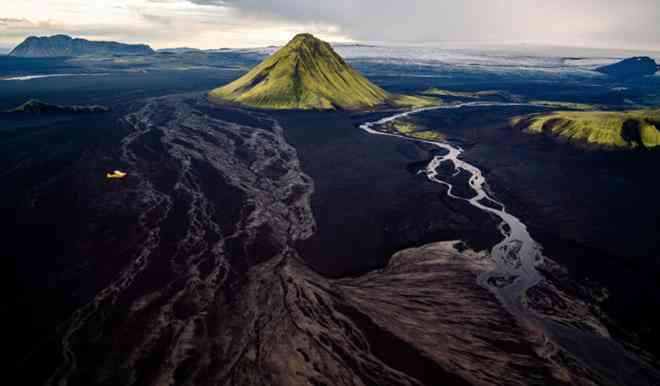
[116, 174]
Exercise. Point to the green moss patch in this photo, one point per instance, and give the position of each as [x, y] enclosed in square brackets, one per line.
[622, 129]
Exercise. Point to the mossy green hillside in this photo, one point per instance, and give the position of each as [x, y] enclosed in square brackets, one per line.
[413, 101]
[564, 105]
[464, 95]
[624, 129]
[308, 74]
[460, 94]
[411, 129]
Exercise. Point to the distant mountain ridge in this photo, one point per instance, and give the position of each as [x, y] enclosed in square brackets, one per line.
[179, 50]
[37, 107]
[631, 67]
[63, 45]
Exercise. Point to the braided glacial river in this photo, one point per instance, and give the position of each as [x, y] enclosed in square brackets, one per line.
[517, 255]
[515, 260]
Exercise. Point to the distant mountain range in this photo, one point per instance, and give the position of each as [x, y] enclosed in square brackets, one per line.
[63, 45]
[631, 67]
[179, 50]
[36, 107]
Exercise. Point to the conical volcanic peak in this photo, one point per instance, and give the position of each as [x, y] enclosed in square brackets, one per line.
[305, 74]
[305, 39]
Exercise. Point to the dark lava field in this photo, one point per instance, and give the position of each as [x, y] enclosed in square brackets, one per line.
[250, 247]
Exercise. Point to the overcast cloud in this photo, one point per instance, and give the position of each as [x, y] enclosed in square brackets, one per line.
[242, 23]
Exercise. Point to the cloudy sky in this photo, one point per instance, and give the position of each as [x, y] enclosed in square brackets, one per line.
[247, 23]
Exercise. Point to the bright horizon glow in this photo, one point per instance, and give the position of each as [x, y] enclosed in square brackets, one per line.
[207, 24]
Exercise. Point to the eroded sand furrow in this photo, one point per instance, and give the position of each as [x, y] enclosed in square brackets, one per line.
[156, 207]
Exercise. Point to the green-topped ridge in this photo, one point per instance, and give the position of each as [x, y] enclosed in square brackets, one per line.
[308, 74]
[622, 129]
[409, 128]
[489, 95]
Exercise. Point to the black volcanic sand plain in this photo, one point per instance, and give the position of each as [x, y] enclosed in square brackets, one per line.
[369, 199]
[67, 231]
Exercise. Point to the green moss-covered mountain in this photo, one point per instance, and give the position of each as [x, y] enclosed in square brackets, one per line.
[624, 129]
[308, 74]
